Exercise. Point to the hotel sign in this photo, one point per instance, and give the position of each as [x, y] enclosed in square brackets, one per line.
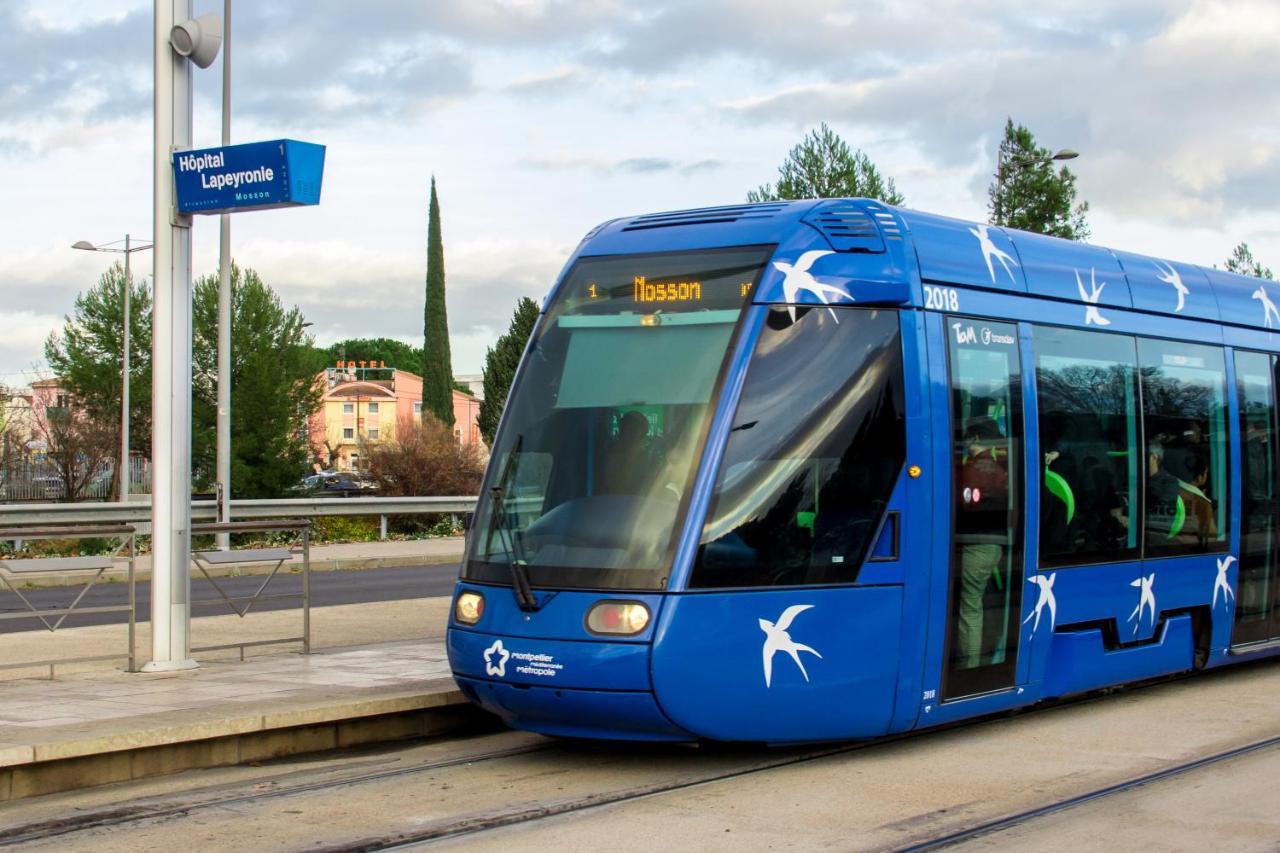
[254, 176]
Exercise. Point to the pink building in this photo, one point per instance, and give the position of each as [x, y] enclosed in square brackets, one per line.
[362, 403]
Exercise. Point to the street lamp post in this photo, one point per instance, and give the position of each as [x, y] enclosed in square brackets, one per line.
[123, 472]
[1003, 164]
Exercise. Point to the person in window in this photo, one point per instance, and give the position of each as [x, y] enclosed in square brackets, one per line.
[981, 529]
[627, 459]
[1199, 507]
[1162, 491]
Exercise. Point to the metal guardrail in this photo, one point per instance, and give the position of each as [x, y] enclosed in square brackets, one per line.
[138, 512]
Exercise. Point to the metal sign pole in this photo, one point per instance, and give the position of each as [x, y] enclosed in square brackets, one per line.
[171, 360]
[224, 307]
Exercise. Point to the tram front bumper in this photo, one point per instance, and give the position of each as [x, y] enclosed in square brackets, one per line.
[562, 688]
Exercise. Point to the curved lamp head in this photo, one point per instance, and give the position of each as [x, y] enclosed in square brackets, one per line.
[198, 40]
[1065, 154]
[84, 244]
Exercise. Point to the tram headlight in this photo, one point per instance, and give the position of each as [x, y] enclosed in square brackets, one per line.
[468, 608]
[617, 617]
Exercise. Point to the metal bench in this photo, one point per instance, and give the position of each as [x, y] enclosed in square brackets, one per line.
[240, 605]
[96, 566]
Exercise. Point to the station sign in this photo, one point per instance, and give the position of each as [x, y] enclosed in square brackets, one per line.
[253, 176]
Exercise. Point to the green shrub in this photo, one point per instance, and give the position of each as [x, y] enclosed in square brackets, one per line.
[344, 529]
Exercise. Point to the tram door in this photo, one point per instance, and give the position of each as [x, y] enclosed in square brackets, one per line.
[1258, 592]
[985, 581]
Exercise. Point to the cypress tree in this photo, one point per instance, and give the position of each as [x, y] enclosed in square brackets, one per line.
[437, 367]
[500, 365]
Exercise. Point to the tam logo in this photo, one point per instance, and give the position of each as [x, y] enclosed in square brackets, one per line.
[965, 335]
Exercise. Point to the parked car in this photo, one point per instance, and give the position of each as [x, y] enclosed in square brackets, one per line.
[312, 483]
[349, 483]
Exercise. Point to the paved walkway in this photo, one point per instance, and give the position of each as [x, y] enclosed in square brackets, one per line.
[109, 711]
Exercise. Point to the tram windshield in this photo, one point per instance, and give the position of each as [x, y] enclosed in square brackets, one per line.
[604, 427]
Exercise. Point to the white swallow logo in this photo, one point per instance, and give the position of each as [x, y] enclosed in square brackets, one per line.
[495, 659]
[1046, 599]
[1268, 307]
[798, 278]
[1220, 583]
[776, 639]
[1170, 276]
[1090, 298]
[989, 251]
[1146, 598]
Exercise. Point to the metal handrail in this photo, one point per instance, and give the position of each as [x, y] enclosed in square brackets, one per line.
[303, 526]
[126, 535]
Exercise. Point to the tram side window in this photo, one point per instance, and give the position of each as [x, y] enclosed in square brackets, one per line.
[1090, 443]
[817, 443]
[1185, 427]
[1254, 380]
[987, 449]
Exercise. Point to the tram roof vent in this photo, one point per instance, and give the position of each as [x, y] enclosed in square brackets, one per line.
[704, 216]
[889, 228]
[849, 228]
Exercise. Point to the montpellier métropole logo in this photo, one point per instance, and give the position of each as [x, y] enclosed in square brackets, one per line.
[495, 659]
[777, 639]
[797, 278]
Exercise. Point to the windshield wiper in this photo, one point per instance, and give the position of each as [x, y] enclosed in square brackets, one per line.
[515, 561]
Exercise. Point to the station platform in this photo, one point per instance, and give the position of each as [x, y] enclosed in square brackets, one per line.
[101, 726]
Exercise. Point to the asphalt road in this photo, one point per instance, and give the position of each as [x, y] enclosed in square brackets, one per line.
[327, 589]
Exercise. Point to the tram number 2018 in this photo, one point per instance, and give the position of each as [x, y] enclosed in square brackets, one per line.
[941, 299]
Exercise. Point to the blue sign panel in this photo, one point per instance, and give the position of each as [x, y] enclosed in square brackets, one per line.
[254, 176]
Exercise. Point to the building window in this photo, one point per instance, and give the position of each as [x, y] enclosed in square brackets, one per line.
[373, 408]
[417, 410]
[373, 434]
[348, 408]
[348, 432]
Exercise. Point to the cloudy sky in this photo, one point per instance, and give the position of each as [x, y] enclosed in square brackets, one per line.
[541, 118]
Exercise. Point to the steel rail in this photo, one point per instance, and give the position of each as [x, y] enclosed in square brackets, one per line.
[118, 816]
[472, 825]
[1010, 821]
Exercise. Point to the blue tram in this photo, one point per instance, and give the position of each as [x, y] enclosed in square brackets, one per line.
[830, 469]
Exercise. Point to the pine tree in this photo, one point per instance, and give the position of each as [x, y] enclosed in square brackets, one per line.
[823, 166]
[437, 369]
[273, 387]
[500, 364]
[1031, 194]
[273, 370]
[1242, 261]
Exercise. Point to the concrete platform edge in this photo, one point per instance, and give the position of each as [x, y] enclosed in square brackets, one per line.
[74, 763]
